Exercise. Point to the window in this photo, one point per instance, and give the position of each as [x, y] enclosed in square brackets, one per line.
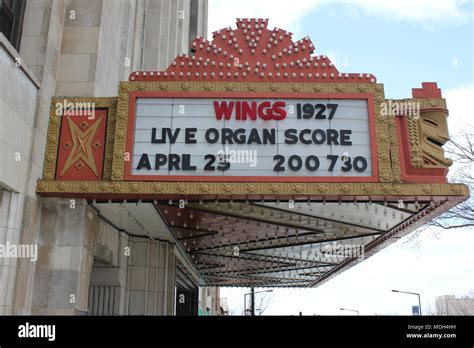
[11, 20]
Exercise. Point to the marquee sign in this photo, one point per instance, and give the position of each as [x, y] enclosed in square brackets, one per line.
[254, 120]
[268, 137]
[249, 112]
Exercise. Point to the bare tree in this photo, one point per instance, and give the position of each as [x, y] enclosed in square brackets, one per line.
[264, 301]
[450, 305]
[461, 150]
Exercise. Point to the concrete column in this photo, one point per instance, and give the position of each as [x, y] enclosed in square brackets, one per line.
[151, 275]
[68, 233]
[10, 222]
[169, 27]
[171, 281]
[25, 111]
[107, 291]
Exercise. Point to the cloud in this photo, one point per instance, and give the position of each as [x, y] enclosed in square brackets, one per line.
[282, 13]
[459, 103]
[431, 12]
[289, 14]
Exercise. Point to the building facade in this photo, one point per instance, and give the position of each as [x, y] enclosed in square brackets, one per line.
[452, 305]
[112, 142]
[80, 48]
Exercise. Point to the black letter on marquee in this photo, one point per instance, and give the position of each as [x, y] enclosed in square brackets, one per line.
[302, 139]
[254, 138]
[174, 161]
[190, 136]
[345, 137]
[144, 162]
[215, 138]
[290, 136]
[227, 136]
[239, 135]
[153, 137]
[187, 162]
[332, 137]
[315, 134]
[160, 160]
[269, 136]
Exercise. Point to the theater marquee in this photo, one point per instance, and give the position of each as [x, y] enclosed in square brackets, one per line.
[254, 142]
[197, 137]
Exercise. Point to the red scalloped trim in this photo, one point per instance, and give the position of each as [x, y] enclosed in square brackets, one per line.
[252, 53]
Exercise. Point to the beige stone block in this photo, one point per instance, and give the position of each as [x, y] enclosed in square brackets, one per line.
[33, 21]
[13, 125]
[153, 23]
[162, 279]
[51, 63]
[138, 279]
[150, 52]
[83, 291]
[152, 275]
[75, 89]
[153, 259]
[137, 302]
[74, 67]
[46, 22]
[63, 284]
[4, 214]
[87, 259]
[87, 13]
[80, 40]
[139, 254]
[48, 88]
[151, 303]
[21, 93]
[32, 50]
[31, 220]
[39, 147]
[53, 311]
[44, 258]
[36, 174]
[13, 173]
[37, 71]
[43, 116]
[162, 254]
[37, 3]
[160, 302]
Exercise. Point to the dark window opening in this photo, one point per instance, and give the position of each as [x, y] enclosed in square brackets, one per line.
[193, 21]
[11, 20]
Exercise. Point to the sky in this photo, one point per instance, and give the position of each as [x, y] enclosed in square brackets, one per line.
[403, 43]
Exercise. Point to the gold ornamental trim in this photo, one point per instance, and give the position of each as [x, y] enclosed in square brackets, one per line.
[50, 160]
[117, 126]
[384, 126]
[213, 189]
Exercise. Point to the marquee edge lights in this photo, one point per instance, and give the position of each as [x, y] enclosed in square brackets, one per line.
[252, 53]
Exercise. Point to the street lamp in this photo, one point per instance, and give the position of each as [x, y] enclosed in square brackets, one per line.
[349, 310]
[411, 293]
[253, 302]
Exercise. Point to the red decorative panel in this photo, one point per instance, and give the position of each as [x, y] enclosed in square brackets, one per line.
[252, 53]
[427, 90]
[81, 147]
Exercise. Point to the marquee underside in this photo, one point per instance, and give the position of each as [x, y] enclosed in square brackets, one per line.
[273, 243]
[340, 176]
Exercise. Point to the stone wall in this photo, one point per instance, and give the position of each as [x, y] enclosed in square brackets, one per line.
[73, 48]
